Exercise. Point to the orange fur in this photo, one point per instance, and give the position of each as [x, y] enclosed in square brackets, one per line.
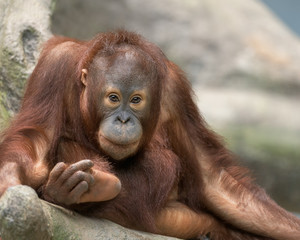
[181, 182]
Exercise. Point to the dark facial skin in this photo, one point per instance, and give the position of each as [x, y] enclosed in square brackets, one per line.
[124, 100]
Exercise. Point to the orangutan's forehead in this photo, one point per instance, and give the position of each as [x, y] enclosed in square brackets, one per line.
[130, 67]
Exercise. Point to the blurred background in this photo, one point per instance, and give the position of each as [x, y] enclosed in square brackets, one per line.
[243, 59]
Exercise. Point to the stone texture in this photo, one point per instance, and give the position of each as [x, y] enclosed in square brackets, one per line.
[24, 26]
[24, 216]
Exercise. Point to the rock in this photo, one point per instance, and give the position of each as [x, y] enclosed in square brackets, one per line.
[24, 26]
[24, 216]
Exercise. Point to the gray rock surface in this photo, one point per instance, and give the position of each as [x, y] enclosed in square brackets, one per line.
[24, 26]
[24, 216]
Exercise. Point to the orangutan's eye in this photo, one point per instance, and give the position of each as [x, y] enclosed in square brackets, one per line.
[136, 100]
[114, 98]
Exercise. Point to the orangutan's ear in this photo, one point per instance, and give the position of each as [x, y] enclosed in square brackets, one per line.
[84, 73]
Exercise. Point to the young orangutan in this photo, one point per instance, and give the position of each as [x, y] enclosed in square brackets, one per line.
[108, 127]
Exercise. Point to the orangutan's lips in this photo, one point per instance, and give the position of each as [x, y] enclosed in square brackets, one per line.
[118, 145]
